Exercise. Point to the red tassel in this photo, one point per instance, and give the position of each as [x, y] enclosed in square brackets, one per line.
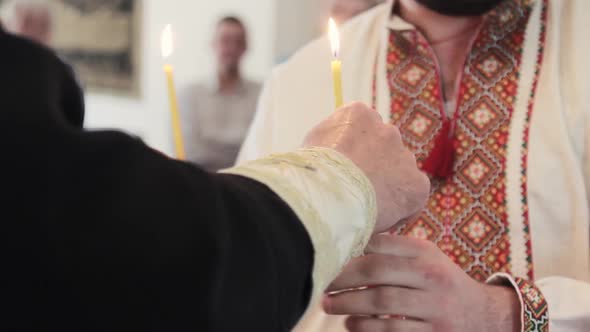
[441, 160]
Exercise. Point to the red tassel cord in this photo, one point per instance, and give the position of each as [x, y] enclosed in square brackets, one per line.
[441, 160]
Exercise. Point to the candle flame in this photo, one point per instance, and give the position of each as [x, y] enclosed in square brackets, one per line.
[334, 38]
[167, 41]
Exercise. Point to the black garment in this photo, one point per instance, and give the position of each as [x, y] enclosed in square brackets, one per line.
[101, 233]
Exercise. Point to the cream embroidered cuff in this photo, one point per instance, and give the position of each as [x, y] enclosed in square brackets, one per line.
[331, 196]
[534, 307]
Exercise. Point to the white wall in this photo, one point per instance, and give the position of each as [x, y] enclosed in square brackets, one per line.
[193, 22]
[298, 22]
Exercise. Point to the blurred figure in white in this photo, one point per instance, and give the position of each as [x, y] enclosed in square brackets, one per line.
[216, 114]
[29, 18]
[343, 10]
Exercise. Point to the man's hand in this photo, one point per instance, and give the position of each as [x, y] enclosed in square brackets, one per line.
[418, 288]
[358, 132]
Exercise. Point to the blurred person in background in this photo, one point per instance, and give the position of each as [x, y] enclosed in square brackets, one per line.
[29, 18]
[216, 114]
[343, 10]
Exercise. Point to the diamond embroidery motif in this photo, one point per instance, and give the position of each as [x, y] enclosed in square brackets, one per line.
[507, 18]
[424, 229]
[478, 230]
[483, 117]
[477, 171]
[491, 65]
[497, 257]
[448, 202]
[457, 254]
[420, 125]
[412, 76]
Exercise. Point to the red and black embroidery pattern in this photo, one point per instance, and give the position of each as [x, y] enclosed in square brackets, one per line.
[466, 215]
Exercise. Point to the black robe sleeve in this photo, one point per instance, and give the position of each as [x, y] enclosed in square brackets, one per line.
[101, 233]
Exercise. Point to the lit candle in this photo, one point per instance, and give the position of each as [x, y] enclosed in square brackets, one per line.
[336, 63]
[167, 50]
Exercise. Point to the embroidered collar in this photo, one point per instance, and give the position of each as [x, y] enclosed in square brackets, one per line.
[397, 23]
[418, 71]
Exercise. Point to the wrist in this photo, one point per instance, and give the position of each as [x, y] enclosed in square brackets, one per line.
[504, 308]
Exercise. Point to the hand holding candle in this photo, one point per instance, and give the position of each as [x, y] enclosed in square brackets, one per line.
[167, 49]
[336, 63]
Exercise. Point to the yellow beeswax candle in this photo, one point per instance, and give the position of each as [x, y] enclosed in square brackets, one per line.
[167, 50]
[336, 63]
[176, 128]
[337, 77]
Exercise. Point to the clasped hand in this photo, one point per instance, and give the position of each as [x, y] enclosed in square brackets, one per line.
[404, 284]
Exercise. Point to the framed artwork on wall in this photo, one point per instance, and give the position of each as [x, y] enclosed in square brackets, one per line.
[100, 39]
